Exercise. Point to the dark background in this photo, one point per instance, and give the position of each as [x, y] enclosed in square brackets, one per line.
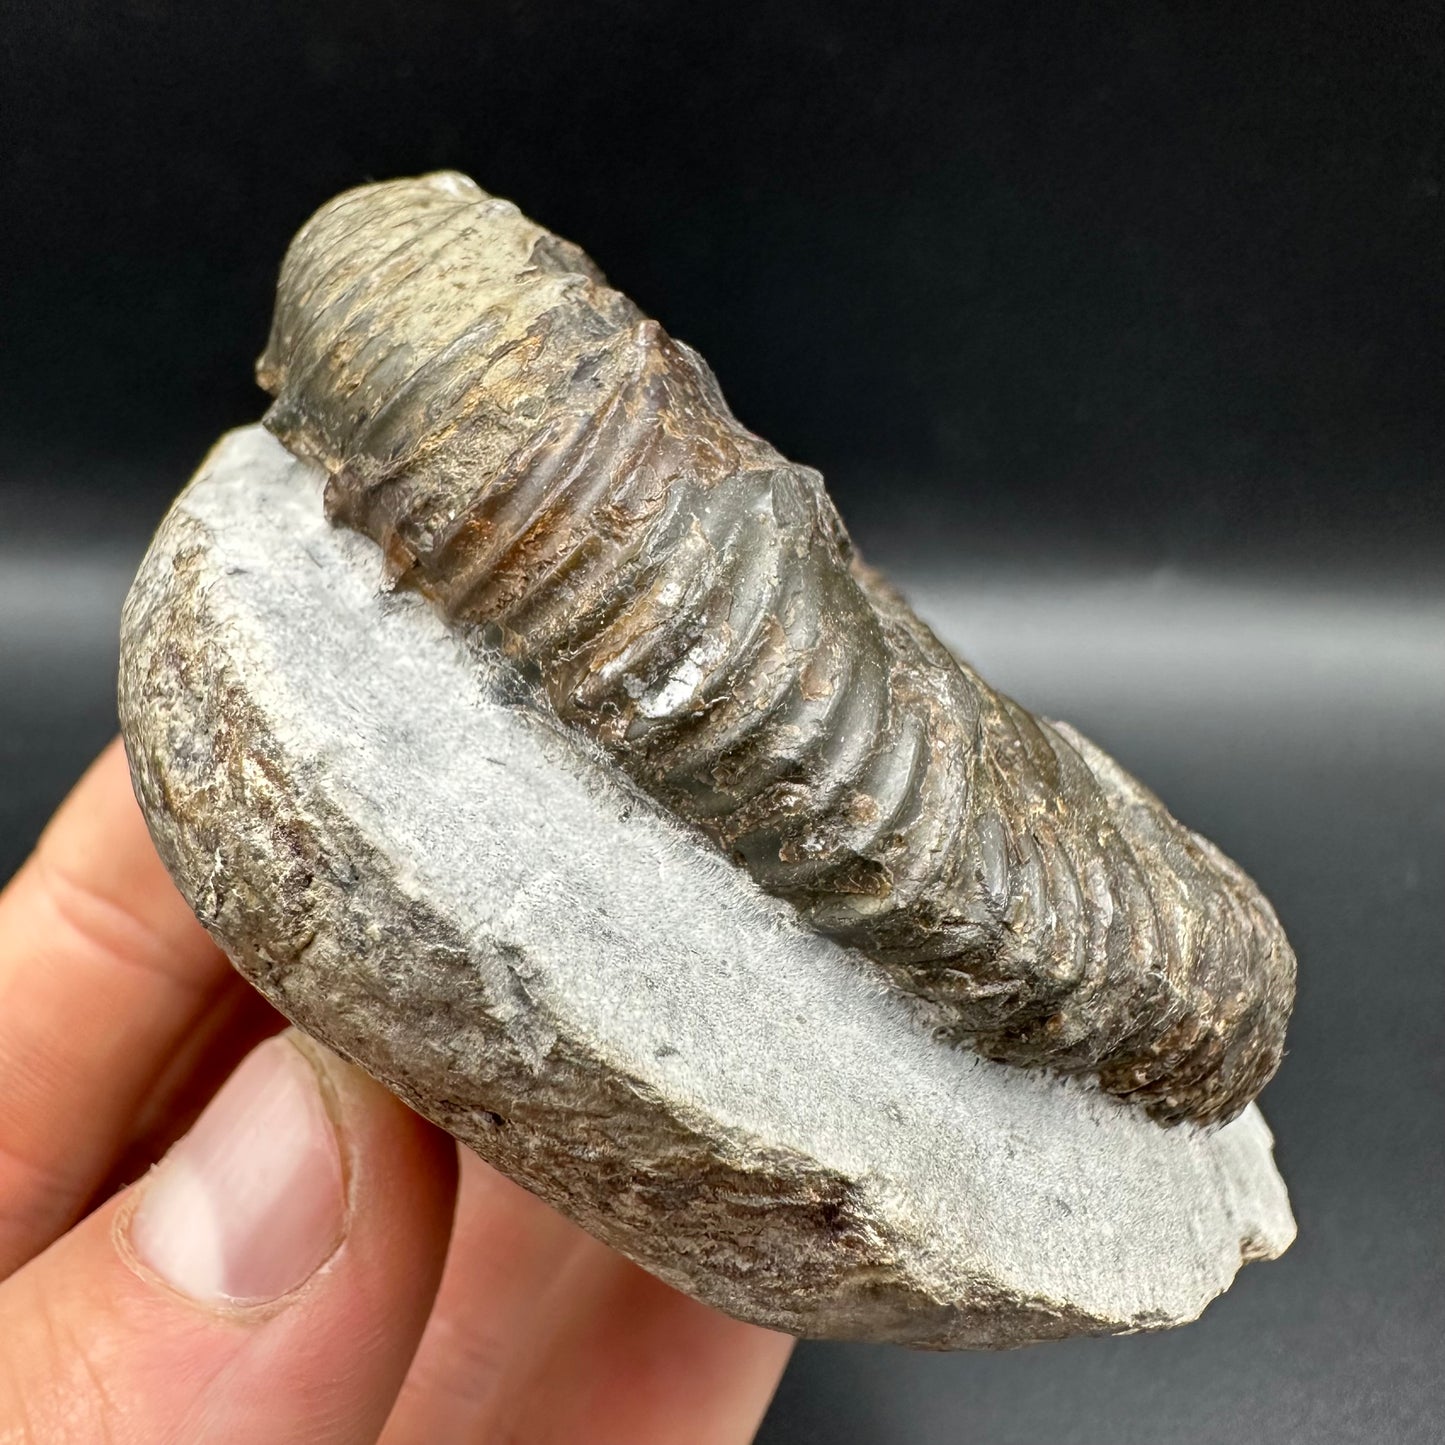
[1115, 328]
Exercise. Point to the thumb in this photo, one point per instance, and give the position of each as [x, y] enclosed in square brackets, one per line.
[269, 1280]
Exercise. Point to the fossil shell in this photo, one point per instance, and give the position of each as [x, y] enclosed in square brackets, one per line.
[548, 466]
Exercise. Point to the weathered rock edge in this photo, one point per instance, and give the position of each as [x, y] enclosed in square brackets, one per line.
[421, 869]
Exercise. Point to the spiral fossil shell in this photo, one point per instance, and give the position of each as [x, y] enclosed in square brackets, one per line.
[548, 466]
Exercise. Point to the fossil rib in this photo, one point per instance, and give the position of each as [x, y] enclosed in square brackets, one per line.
[537, 457]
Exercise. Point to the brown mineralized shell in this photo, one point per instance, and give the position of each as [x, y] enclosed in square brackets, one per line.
[550, 468]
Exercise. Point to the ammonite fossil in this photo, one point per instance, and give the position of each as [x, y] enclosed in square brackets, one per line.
[549, 467]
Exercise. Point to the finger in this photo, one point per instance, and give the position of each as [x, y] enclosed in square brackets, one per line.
[103, 971]
[540, 1333]
[499, 1305]
[268, 1281]
[636, 1363]
[238, 1019]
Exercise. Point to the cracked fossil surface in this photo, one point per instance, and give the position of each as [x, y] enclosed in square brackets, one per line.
[530, 732]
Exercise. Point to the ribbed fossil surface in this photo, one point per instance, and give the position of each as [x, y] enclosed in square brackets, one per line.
[548, 466]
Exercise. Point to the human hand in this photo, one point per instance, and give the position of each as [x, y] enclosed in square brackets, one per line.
[291, 1270]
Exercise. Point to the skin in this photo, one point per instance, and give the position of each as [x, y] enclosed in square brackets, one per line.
[455, 1308]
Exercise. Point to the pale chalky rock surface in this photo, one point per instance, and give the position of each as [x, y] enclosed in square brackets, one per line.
[422, 870]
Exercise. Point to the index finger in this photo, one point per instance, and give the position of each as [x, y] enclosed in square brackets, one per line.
[103, 973]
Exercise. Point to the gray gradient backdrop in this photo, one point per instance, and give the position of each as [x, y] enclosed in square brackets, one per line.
[1116, 331]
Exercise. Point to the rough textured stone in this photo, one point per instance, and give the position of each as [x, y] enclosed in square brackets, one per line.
[424, 870]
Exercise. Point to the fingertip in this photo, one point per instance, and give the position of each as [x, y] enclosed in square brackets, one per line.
[252, 1201]
[274, 1273]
